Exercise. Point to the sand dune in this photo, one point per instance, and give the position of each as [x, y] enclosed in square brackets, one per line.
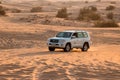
[24, 54]
[40, 64]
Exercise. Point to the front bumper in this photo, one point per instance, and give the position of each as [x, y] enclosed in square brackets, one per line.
[56, 45]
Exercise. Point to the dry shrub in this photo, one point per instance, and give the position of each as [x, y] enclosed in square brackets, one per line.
[88, 13]
[36, 9]
[2, 11]
[15, 11]
[62, 13]
[110, 15]
[86, 2]
[94, 16]
[106, 24]
[92, 8]
[113, 2]
[98, 1]
[110, 7]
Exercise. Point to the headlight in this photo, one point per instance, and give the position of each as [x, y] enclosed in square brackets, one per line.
[62, 41]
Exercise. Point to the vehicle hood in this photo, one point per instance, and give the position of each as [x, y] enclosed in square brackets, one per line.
[60, 38]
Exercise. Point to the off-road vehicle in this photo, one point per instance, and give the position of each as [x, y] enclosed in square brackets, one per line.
[68, 40]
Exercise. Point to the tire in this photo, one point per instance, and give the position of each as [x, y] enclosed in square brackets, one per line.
[85, 47]
[51, 49]
[67, 48]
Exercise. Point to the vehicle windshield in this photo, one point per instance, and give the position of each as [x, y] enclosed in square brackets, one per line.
[64, 34]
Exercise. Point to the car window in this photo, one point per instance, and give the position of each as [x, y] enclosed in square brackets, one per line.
[64, 34]
[75, 34]
[85, 34]
[80, 35]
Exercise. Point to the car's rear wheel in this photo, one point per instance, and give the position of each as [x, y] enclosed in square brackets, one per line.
[85, 47]
[51, 49]
[67, 48]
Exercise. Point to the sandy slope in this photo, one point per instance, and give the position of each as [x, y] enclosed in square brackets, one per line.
[24, 54]
[100, 62]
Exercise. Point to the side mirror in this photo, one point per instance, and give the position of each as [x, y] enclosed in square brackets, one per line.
[73, 37]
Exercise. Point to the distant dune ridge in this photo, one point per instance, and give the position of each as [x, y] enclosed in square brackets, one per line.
[47, 15]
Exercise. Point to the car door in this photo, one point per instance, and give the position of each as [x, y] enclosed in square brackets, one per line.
[74, 40]
[80, 39]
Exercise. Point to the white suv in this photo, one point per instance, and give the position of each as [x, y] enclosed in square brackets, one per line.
[68, 40]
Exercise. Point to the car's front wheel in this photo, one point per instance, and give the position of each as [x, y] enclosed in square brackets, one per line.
[85, 47]
[67, 48]
[51, 49]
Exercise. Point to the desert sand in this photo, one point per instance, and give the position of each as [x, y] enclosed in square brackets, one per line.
[24, 53]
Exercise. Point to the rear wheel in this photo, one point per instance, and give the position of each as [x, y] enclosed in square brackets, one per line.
[51, 49]
[85, 47]
[67, 48]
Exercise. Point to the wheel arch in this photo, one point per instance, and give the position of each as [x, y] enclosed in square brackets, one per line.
[87, 44]
[69, 43]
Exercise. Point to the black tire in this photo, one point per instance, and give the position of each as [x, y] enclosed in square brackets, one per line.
[51, 49]
[67, 48]
[85, 47]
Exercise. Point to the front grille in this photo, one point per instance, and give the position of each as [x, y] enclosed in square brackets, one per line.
[54, 40]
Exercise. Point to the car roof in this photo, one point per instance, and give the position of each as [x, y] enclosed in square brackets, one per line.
[74, 31]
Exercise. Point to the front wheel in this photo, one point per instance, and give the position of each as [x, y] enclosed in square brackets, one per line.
[67, 48]
[85, 47]
[51, 49]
